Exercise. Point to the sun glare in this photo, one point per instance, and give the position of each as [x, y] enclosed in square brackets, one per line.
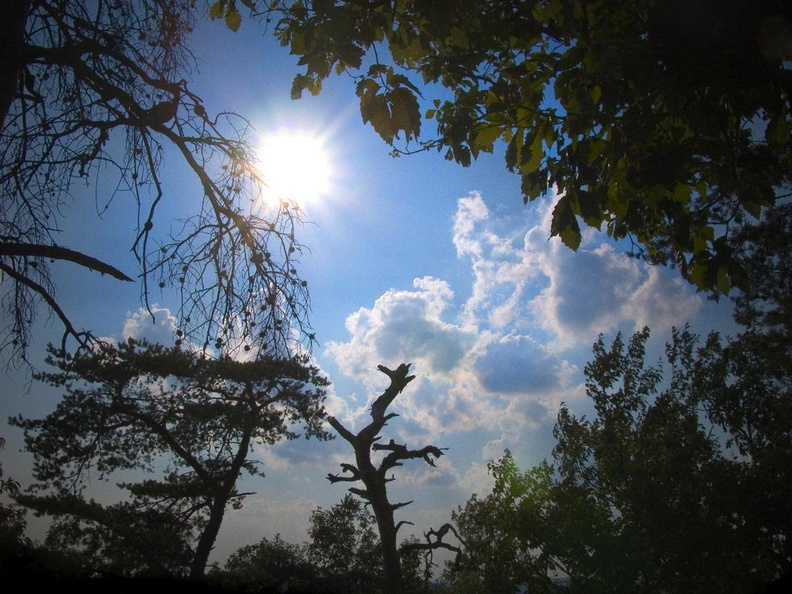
[295, 166]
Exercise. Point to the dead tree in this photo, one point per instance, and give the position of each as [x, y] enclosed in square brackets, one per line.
[374, 477]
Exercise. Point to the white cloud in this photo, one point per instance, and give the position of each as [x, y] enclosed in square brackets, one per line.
[498, 366]
[403, 327]
[157, 326]
[523, 280]
[599, 290]
[517, 364]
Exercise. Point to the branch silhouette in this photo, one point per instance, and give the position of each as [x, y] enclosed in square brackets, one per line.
[373, 476]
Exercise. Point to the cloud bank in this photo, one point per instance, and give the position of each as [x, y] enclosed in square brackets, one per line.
[502, 360]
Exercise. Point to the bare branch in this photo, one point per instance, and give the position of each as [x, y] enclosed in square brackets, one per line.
[96, 74]
[55, 252]
[373, 477]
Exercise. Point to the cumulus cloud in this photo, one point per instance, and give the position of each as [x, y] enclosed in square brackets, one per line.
[525, 280]
[401, 327]
[499, 364]
[598, 290]
[157, 326]
[515, 364]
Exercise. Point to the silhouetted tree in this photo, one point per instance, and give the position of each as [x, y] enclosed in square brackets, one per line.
[269, 566]
[676, 484]
[104, 84]
[665, 122]
[146, 408]
[373, 475]
[343, 542]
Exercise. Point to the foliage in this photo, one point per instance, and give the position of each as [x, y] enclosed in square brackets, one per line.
[766, 250]
[344, 541]
[663, 122]
[343, 554]
[160, 411]
[676, 484]
[103, 87]
[266, 565]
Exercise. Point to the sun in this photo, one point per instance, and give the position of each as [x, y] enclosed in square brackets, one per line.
[295, 165]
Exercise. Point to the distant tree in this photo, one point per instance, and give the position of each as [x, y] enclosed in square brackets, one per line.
[665, 122]
[344, 542]
[12, 523]
[373, 475]
[676, 484]
[268, 565]
[99, 85]
[343, 555]
[161, 411]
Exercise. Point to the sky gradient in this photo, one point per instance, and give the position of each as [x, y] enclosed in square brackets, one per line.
[412, 259]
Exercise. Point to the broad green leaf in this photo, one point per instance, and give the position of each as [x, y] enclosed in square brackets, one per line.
[565, 225]
[697, 273]
[533, 185]
[724, 282]
[406, 114]
[298, 85]
[377, 70]
[570, 58]
[217, 10]
[485, 137]
[596, 147]
[513, 150]
[778, 131]
[682, 193]
[233, 18]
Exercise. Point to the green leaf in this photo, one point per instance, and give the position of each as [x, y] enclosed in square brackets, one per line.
[405, 112]
[570, 58]
[299, 84]
[724, 282]
[682, 193]
[777, 133]
[697, 273]
[565, 224]
[217, 10]
[233, 18]
[485, 137]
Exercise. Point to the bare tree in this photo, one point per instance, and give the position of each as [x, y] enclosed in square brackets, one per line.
[104, 83]
[375, 480]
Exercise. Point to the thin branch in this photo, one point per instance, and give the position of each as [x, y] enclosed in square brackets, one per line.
[69, 330]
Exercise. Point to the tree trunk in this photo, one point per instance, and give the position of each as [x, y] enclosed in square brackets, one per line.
[391, 561]
[217, 509]
[13, 18]
[383, 512]
[208, 537]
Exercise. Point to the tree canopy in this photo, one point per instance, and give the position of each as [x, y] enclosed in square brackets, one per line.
[169, 413]
[88, 86]
[675, 484]
[665, 122]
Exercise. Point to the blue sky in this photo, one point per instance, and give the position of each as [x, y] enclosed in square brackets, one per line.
[412, 259]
